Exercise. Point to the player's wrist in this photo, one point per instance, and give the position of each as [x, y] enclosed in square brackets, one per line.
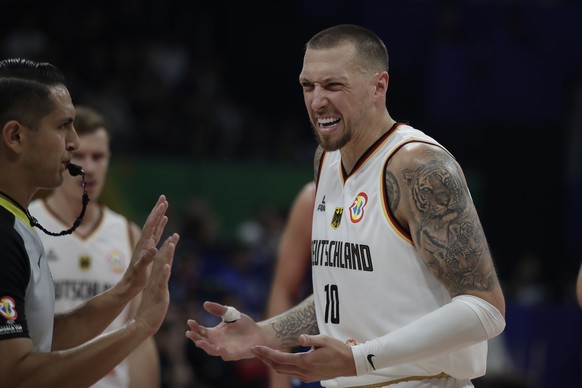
[359, 353]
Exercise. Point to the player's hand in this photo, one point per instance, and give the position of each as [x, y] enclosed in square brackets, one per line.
[328, 358]
[145, 250]
[155, 298]
[231, 341]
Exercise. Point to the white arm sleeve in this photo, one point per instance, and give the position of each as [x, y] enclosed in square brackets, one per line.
[465, 321]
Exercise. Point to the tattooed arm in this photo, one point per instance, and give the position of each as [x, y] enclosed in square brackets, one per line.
[288, 326]
[431, 199]
[234, 340]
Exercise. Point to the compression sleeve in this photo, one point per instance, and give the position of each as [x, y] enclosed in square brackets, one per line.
[465, 321]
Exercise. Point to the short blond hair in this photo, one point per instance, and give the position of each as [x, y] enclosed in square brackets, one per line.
[88, 120]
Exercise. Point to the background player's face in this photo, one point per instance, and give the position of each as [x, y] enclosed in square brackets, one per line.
[93, 155]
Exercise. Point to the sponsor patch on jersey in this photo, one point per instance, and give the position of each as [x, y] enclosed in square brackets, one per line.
[85, 262]
[321, 206]
[357, 207]
[351, 342]
[337, 217]
[52, 256]
[116, 262]
[370, 358]
[8, 308]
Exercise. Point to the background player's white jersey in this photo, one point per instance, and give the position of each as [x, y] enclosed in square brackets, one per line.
[368, 279]
[83, 266]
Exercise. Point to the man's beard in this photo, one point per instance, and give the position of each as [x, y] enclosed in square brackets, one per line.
[333, 145]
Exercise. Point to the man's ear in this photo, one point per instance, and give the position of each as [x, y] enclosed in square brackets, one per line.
[12, 135]
[382, 83]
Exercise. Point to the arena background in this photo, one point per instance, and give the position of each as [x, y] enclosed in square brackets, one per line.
[205, 107]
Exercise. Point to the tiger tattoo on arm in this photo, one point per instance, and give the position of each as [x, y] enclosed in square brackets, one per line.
[448, 233]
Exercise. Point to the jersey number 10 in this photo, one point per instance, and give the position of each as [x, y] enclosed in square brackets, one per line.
[331, 304]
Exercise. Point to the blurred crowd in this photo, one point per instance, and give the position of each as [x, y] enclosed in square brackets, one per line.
[235, 271]
[162, 73]
[497, 82]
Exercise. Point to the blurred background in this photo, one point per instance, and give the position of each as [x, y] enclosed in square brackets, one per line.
[205, 106]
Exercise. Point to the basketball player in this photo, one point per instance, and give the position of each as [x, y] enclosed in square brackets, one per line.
[292, 280]
[96, 255]
[38, 348]
[405, 292]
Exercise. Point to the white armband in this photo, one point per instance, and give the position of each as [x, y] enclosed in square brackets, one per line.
[465, 321]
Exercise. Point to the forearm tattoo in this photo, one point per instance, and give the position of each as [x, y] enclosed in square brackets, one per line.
[299, 320]
[449, 234]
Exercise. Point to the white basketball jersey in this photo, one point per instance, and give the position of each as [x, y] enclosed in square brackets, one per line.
[368, 278]
[84, 266]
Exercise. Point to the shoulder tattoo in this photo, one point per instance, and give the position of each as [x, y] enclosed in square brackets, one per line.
[449, 235]
[392, 190]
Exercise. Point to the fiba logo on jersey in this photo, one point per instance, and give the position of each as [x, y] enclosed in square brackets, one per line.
[8, 308]
[357, 208]
[116, 261]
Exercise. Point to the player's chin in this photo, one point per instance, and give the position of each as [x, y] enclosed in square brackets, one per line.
[328, 144]
[92, 191]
